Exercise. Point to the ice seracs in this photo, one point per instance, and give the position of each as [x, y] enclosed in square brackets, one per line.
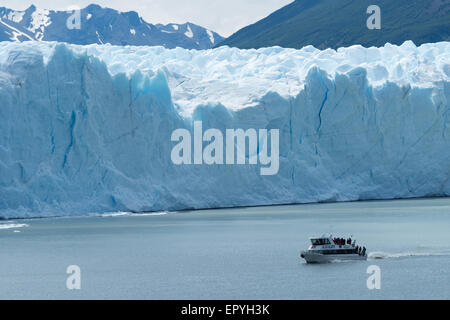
[87, 129]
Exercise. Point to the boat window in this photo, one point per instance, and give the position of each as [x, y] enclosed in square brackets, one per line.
[317, 242]
[336, 251]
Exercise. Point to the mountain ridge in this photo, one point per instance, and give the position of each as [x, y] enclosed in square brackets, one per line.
[333, 24]
[101, 25]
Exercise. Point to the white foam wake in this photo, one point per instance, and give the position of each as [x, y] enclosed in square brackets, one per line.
[160, 213]
[386, 255]
[130, 214]
[12, 225]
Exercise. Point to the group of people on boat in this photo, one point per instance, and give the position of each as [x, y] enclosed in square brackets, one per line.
[361, 250]
[342, 241]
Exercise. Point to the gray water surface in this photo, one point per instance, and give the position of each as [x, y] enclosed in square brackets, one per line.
[246, 253]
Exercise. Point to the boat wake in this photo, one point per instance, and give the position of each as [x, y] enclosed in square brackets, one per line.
[386, 255]
[12, 225]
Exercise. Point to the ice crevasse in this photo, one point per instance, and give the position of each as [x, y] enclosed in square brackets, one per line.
[87, 129]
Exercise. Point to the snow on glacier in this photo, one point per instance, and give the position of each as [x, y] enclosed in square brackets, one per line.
[86, 129]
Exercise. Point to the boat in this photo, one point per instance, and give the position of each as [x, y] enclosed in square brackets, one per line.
[325, 249]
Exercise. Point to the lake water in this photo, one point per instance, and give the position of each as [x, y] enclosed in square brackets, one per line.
[248, 253]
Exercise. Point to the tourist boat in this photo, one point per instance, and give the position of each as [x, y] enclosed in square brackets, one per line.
[328, 249]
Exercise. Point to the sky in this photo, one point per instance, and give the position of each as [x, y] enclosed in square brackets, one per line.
[222, 16]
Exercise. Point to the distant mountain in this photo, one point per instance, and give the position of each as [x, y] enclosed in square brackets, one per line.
[340, 23]
[101, 25]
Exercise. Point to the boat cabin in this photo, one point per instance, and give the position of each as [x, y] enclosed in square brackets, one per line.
[326, 244]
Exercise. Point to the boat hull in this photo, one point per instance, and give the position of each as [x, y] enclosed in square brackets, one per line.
[312, 257]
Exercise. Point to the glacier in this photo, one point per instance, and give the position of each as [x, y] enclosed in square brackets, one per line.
[87, 129]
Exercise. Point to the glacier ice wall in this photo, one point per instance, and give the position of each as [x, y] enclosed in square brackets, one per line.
[86, 129]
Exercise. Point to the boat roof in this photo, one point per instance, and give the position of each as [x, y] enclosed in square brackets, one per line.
[323, 236]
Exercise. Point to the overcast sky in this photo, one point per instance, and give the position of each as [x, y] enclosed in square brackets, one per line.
[222, 16]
